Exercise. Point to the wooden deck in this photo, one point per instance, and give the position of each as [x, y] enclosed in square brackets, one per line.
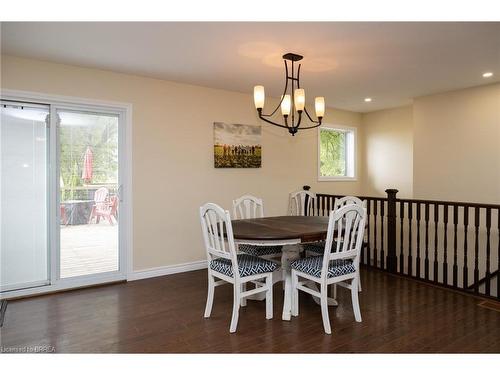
[165, 314]
[88, 249]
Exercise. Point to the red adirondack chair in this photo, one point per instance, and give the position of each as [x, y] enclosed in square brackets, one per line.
[100, 204]
[109, 211]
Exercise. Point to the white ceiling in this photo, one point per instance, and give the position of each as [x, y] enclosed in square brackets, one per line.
[345, 62]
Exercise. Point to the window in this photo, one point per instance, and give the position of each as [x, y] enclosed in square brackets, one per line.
[336, 153]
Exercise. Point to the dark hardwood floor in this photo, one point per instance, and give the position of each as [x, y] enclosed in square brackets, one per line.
[165, 314]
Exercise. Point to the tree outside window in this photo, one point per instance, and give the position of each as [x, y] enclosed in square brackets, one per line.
[336, 153]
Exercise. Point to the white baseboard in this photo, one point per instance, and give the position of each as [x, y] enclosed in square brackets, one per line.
[167, 270]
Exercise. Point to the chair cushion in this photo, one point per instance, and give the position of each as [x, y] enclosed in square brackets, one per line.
[259, 251]
[312, 266]
[248, 265]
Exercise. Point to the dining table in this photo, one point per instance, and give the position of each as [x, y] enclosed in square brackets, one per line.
[287, 231]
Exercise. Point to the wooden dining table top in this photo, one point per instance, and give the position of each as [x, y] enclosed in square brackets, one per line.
[275, 228]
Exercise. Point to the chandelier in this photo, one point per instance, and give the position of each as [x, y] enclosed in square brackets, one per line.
[292, 104]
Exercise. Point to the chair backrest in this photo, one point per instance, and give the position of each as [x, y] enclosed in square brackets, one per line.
[248, 207]
[341, 202]
[346, 226]
[215, 222]
[301, 203]
[100, 197]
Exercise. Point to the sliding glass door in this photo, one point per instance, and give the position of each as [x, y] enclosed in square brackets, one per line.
[89, 192]
[24, 256]
[63, 216]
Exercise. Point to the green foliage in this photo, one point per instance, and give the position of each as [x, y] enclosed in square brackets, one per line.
[102, 137]
[332, 153]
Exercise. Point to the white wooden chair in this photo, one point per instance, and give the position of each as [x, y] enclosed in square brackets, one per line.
[317, 248]
[250, 207]
[301, 202]
[338, 267]
[229, 267]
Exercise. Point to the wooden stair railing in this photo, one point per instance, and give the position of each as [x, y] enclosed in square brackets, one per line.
[452, 244]
[484, 280]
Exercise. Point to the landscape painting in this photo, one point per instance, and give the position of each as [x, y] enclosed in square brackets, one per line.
[237, 146]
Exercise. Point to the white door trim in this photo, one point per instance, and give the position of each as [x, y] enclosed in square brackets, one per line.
[126, 225]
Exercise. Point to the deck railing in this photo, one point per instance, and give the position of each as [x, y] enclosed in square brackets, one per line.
[451, 244]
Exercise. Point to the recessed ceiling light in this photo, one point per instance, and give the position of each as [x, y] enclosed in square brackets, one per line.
[368, 100]
[487, 74]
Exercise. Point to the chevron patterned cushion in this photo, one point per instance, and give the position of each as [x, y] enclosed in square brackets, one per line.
[317, 247]
[259, 251]
[312, 266]
[247, 264]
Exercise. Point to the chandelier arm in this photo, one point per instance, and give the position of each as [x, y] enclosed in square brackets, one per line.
[284, 92]
[271, 122]
[309, 116]
[299, 120]
[312, 127]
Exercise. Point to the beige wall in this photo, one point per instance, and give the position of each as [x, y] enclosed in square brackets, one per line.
[457, 145]
[173, 171]
[445, 147]
[387, 159]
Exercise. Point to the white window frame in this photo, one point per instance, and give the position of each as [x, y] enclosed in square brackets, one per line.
[126, 224]
[350, 161]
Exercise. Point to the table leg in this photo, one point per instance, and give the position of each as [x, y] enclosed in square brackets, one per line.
[290, 253]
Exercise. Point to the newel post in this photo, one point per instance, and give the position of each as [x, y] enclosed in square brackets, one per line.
[391, 260]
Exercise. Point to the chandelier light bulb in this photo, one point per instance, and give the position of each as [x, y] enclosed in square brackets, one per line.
[286, 105]
[300, 99]
[259, 96]
[319, 105]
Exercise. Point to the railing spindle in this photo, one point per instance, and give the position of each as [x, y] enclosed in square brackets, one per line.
[368, 246]
[426, 260]
[435, 265]
[401, 234]
[382, 247]
[418, 241]
[375, 204]
[455, 246]
[476, 250]
[488, 252]
[498, 255]
[445, 244]
[410, 244]
[363, 249]
[465, 280]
